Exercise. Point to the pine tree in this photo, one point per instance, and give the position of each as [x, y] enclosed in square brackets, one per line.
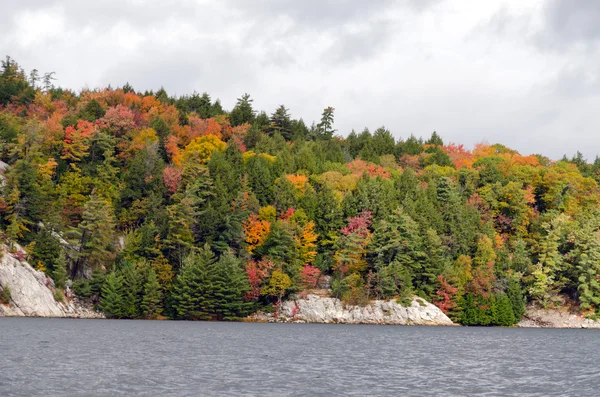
[228, 287]
[514, 293]
[325, 127]
[243, 111]
[95, 234]
[151, 305]
[192, 287]
[132, 290]
[280, 123]
[504, 312]
[111, 300]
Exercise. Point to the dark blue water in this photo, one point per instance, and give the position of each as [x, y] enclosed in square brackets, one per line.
[61, 357]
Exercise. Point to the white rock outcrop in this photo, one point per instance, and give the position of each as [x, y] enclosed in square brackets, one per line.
[561, 317]
[315, 309]
[32, 292]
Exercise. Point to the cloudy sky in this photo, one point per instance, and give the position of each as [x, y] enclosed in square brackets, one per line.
[522, 73]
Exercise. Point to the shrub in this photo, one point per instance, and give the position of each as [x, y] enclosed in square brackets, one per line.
[405, 301]
[59, 296]
[5, 295]
[82, 288]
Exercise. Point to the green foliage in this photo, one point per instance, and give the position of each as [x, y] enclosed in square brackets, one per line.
[59, 295]
[151, 305]
[504, 315]
[111, 300]
[113, 173]
[5, 296]
[514, 292]
[207, 289]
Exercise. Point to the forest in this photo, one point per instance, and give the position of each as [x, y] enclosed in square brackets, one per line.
[154, 206]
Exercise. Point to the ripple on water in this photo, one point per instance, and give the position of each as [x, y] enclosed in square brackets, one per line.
[56, 357]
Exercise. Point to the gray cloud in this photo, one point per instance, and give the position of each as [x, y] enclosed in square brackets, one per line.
[519, 74]
[569, 23]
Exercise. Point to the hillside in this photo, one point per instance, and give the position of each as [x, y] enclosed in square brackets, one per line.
[161, 206]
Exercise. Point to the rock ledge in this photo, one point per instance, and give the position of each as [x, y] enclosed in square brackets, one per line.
[315, 309]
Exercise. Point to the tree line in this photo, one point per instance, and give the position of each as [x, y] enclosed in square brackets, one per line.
[151, 205]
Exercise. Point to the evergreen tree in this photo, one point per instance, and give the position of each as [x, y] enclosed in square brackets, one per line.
[280, 123]
[514, 292]
[111, 301]
[504, 312]
[242, 111]
[151, 306]
[325, 127]
[228, 286]
[95, 234]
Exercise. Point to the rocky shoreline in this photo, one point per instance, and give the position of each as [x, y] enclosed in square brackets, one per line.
[32, 293]
[561, 317]
[324, 310]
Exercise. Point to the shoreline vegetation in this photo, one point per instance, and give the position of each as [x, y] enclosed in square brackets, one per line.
[145, 205]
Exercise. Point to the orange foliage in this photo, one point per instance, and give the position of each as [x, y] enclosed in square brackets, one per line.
[359, 167]
[255, 231]
[459, 155]
[172, 148]
[299, 181]
[132, 100]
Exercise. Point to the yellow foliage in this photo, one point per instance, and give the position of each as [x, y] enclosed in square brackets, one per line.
[267, 213]
[307, 243]
[47, 169]
[40, 266]
[200, 149]
[249, 154]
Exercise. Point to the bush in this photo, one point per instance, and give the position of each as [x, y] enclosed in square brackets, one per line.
[5, 295]
[405, 301]
[82, 288]
[59, 296]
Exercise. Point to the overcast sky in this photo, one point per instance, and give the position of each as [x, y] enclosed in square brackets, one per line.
[522, 73]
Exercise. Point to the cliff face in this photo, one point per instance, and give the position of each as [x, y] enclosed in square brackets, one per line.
[32, 292]
[315, 309]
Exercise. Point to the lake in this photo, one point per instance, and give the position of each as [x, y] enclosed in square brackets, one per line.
[68, 357]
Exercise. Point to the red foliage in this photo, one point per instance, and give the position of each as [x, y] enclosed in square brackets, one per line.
[84, 129]
[237, 141]
[172, 178]
[118, 119]
[295, 310]
[257, 272]
[358, 224]
[287, 214]
[19, 255]
[446, 294]
[310, 275]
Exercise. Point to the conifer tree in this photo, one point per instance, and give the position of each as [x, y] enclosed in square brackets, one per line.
[151, 305]
[111, 301]
[514, 292]
[504, 312]
[228, 287]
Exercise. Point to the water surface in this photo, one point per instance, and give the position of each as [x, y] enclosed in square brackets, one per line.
[67, 357]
